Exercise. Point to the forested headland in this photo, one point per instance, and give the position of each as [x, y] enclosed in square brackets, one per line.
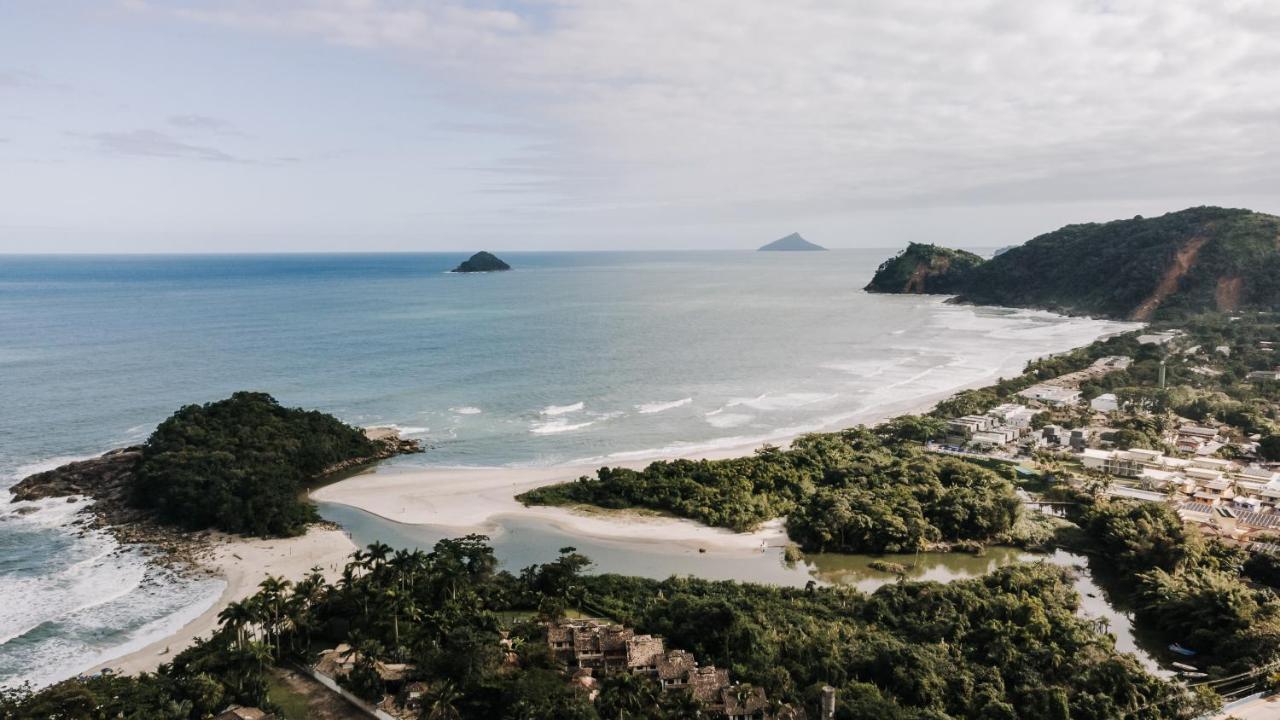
[1167, 267]
[238, 465]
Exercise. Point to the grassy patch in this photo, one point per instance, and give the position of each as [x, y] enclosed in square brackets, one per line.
[293, 705]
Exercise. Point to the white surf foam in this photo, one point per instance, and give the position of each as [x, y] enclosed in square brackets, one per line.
[657, 407]
[554, 410]
[769, 402]
[403, 430]
[465, 410]
[561, 425]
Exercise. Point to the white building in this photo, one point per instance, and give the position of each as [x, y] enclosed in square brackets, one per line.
[1051, 395]
[1013, 415]
[1106, 402]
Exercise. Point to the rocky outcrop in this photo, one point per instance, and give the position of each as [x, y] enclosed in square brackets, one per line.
[482, 262]
[924, 269]
[103, 477]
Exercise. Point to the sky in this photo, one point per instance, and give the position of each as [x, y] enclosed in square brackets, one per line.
[362, 125]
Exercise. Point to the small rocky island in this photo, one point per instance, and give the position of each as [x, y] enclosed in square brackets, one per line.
[791, 243]
[238, 465]
[482, 262]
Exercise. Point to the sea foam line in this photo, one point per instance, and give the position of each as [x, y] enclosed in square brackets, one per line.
[657, 407]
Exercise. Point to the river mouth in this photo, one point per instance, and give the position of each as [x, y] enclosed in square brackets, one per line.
[519, 542]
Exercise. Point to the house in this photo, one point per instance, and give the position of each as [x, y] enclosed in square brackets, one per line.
[1263, 376]
[1053, 435]
[705, 683]
[1013, 415]
[742, 702]
[1051, 395]
[1106, 402]
[968, 425]
[996, 436]
[674, 669]
[1079, 439]
[1160, 338]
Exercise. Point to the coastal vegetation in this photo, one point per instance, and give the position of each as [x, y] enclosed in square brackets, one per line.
[1167, 267]
[1198, 592]
[1006, 645]
[239, 464]
[857, 490]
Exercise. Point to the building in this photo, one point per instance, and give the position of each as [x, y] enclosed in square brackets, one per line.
[1106, 402]
[1079, 439]
[588, 644]
[996, 436]
[591, 649]
[1160, 338]
[967, 426]
[1051, 395]
[1013, 415]
[1263, 376]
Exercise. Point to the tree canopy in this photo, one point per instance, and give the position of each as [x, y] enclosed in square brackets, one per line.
[239, 464]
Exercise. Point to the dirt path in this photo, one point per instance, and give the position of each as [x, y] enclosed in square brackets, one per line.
[1182, 262]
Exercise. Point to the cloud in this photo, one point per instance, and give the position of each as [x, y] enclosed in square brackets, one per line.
[153, 143]
[204, 122]
[724, 107]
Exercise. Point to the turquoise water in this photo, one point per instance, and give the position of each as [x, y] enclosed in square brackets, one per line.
[571, 356]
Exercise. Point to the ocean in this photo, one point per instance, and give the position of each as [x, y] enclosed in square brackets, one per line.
[570, 357]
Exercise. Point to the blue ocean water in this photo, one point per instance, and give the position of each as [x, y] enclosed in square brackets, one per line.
[568, 357]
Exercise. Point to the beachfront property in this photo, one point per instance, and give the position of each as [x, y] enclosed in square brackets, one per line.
[1251, 493]
[1054, 395]
[1000, 426]
[591, 649]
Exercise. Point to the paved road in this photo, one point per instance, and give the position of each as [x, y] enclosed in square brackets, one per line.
[1267, 708]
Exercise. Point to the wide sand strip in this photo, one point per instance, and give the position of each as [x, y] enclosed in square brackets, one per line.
[242, 564]
[474, 499]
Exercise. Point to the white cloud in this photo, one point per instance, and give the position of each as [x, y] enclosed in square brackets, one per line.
[723, 106]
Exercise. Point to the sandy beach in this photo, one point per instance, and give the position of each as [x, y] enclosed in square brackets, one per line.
[474, 499]
[242, 564]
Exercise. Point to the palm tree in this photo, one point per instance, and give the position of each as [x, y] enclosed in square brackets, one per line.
[378, 553]
[441, 702]
[237, 614]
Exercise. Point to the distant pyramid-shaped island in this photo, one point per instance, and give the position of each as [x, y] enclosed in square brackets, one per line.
[791, 242]
[482, 262]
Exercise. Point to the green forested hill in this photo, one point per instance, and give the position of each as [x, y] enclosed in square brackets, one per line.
[1199, 259]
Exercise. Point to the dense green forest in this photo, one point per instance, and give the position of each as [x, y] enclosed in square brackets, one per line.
[1186, 588]
[859, 490]
[1006, 645]
[1172, 266]
[239, 464]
